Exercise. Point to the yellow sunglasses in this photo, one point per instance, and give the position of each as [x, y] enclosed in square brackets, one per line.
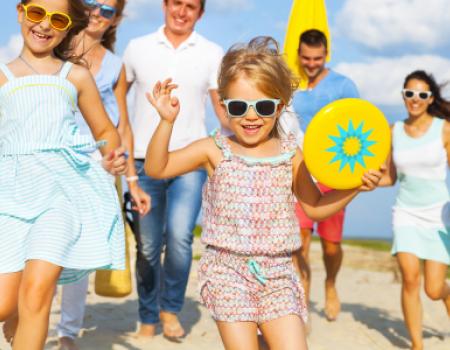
[58, 20]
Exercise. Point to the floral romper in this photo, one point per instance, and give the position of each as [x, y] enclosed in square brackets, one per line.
[250, 231]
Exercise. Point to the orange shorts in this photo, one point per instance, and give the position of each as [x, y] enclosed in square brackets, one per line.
[329, 229]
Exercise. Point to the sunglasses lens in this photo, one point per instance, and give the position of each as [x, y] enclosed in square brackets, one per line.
[423, 95]
[59, 21]
[265, 108]
[36, 13]
[237, 108]
[107, 12]
[408, 93]
[90, 3]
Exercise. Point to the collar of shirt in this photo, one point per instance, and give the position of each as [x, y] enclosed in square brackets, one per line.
[162, 39]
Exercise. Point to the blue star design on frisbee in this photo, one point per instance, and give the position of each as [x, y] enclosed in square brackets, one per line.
[351, 146]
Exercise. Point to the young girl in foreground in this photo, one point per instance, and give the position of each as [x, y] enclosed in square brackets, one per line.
[59, 211]
[247, 279]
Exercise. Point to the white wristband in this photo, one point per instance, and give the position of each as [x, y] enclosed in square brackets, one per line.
[132, 178]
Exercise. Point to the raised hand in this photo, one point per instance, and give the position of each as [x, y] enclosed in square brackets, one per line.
[167, 106]
[115, 162]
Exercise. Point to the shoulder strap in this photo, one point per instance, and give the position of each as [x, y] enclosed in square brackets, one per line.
[222, 143]
[65, 69]
[5, 70]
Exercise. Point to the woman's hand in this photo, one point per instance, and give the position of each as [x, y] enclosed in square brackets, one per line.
[115, 162]
[141, 201]
[371, 179]
[167, 106]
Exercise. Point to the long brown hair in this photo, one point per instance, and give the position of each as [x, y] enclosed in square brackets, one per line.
[440, 107]
[110, 36]
[80, 19]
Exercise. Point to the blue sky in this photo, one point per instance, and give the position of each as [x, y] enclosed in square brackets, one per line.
[375, 42]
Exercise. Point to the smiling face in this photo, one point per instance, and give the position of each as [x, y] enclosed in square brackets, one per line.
[250, 130]
[416, 106]
[312, 59]
[181, 16]
[98, 24]
[42, 38]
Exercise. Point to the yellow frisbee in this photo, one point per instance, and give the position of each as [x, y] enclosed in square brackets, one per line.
[344, 140]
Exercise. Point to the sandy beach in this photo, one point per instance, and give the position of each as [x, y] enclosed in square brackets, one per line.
[370, 319]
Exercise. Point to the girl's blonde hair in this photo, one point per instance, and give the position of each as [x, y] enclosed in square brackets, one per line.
[261, 62]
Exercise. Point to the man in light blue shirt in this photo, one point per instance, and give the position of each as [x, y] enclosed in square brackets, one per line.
[324, 87]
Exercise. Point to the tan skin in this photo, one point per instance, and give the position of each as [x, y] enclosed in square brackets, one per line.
[313, 59]
[416, 125]
[205, 154]
[88, 42]
[26, 306]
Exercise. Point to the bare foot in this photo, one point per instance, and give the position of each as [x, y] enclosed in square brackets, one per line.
[172, 329]
[447, 304]
[145, 331]
[67, 343]
[10, 327]
[332, 303]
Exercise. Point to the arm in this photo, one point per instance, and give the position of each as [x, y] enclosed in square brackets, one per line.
[447, 140]
[159, 162]
[141, 199]
[319, 206]
[390, 175]
[219, 109]
[91, 107]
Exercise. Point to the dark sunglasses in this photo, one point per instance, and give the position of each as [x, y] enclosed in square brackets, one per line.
[423, 95]
[106, 11]
[265, 107]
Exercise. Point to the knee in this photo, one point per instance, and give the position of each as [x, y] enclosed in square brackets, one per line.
[411, 281]
[35, 296]
[332, 250]
[434, 291]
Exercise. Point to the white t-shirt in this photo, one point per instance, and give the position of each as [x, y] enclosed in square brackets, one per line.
[193, 66]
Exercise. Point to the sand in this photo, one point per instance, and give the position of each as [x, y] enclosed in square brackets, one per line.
[371, 315]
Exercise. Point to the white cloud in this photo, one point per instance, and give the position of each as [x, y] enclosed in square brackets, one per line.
[12, 49]
[138, 8]
[386, 23]
[380, 80]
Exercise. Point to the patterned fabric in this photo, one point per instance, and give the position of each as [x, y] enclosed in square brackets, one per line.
[56, 203]
[250, 229]
[421, 215]
[238, 288]
[248, 204]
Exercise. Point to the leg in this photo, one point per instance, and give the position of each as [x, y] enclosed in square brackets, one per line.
[72, 313]
[435, 284]
[411, 305]
[184, 201]
[9, 285]
[36, 292]
[149, 239]
[238, 335]
[332, 258]
[285, 333]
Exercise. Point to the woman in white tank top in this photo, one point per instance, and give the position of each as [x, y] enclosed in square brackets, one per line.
[420, 159]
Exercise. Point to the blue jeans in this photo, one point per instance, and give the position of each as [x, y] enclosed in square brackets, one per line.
[175, 206]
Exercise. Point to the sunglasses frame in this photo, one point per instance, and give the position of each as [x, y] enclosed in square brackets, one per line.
[94, 4]
[416, 93]
[251, 103]
[48, 15]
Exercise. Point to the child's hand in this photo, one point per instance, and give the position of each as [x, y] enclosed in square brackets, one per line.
[115, 162]
[371, 179]
[167, 106]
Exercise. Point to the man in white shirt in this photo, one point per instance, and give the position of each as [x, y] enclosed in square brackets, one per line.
[174, 51]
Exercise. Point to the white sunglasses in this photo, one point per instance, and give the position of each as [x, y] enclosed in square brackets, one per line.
[423, 95]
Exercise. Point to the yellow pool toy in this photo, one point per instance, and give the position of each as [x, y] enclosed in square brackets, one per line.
[305, 15]
[345, 139]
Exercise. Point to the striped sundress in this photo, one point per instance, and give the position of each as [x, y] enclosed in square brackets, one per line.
[56, 203]
[421, 215]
